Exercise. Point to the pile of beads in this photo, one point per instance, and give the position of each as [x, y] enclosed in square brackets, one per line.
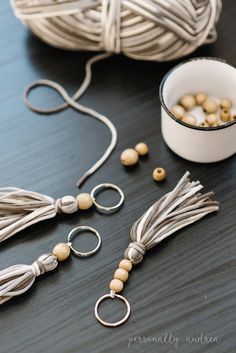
[216, 114]
[130, 157]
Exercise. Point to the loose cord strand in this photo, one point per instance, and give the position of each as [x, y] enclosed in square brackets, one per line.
[72, 102]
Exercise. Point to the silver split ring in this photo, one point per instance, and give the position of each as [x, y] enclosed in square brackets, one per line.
[112, 296]
[107, 209]
[79, 230]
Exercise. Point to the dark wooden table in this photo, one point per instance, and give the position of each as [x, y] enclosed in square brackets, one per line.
[185, 287]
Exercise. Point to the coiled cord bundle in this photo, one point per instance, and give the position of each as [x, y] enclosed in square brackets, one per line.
[157, 30]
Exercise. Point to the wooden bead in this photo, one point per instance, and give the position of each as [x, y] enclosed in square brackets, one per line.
[61, 251]
[203, 124]
[142, 148]
[116, 285]
[159, 174]
[84, 201]
[126, 265]
[178, 111]
[188, 101]
[233, 118]
[121, 274]
[211, 119]
[200, 98]
[210, 106]
[225, 115]
[129, 157]
[189, 119]
[225, 103]
[219, 123]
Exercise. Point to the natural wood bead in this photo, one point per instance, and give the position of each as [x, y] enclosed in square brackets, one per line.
[178, 111]
[203, 124]
[211, 119]
[200, 98]
[189, 119]
[121, 274]
[61, 251]
[84, 201]
[129, 157]
[219, 123]
[142, 148]
[225, 115]
[210, 106]
[225, 103]
[159, 174]
[116, 285]
[188, 101]
[233, 117]
[126, 264]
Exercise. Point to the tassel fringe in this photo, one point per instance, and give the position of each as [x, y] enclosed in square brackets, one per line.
[20, 209]
[17, 279]
[177, 209]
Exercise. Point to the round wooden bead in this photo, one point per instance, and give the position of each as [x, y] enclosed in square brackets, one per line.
[188, 101]
[210, 106]
[203, 124]
[225, 115]
[178, 111]
[225, 103]
[189, 119]
[84, 201]
[211, 119]
[129, 157]
[121, 274]
[142, 148]
[159, 174]
[200, 98]
[126, 264]
[61, 251]
[219, 123]
[116, 285]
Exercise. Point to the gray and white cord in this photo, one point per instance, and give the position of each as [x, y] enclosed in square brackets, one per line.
[177, 209]
[157, 30]
[72, 102]
[17, 279]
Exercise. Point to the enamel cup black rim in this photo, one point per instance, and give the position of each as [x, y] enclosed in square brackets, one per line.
[163, 104]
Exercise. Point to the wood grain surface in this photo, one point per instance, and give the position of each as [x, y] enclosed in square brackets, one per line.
[185, 287]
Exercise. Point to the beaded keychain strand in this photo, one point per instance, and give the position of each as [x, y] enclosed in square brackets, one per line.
[180, 207]
[21, 208]
[17, 279]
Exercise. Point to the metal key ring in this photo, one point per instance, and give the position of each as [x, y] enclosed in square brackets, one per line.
[113, 296]
[79, 230]
[107, 209]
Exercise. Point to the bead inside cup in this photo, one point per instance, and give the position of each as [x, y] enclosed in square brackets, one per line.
[193, 142]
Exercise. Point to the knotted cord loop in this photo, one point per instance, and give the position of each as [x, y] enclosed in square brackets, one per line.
[135, 252]
[37, 269]
[66, 204]
[45, 263]
[17, 279]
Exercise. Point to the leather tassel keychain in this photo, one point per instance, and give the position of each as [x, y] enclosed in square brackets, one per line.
[17, 279]
[21, 208]
[180, 207]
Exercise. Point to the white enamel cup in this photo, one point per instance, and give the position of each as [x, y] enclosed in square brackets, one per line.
[218, 79]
